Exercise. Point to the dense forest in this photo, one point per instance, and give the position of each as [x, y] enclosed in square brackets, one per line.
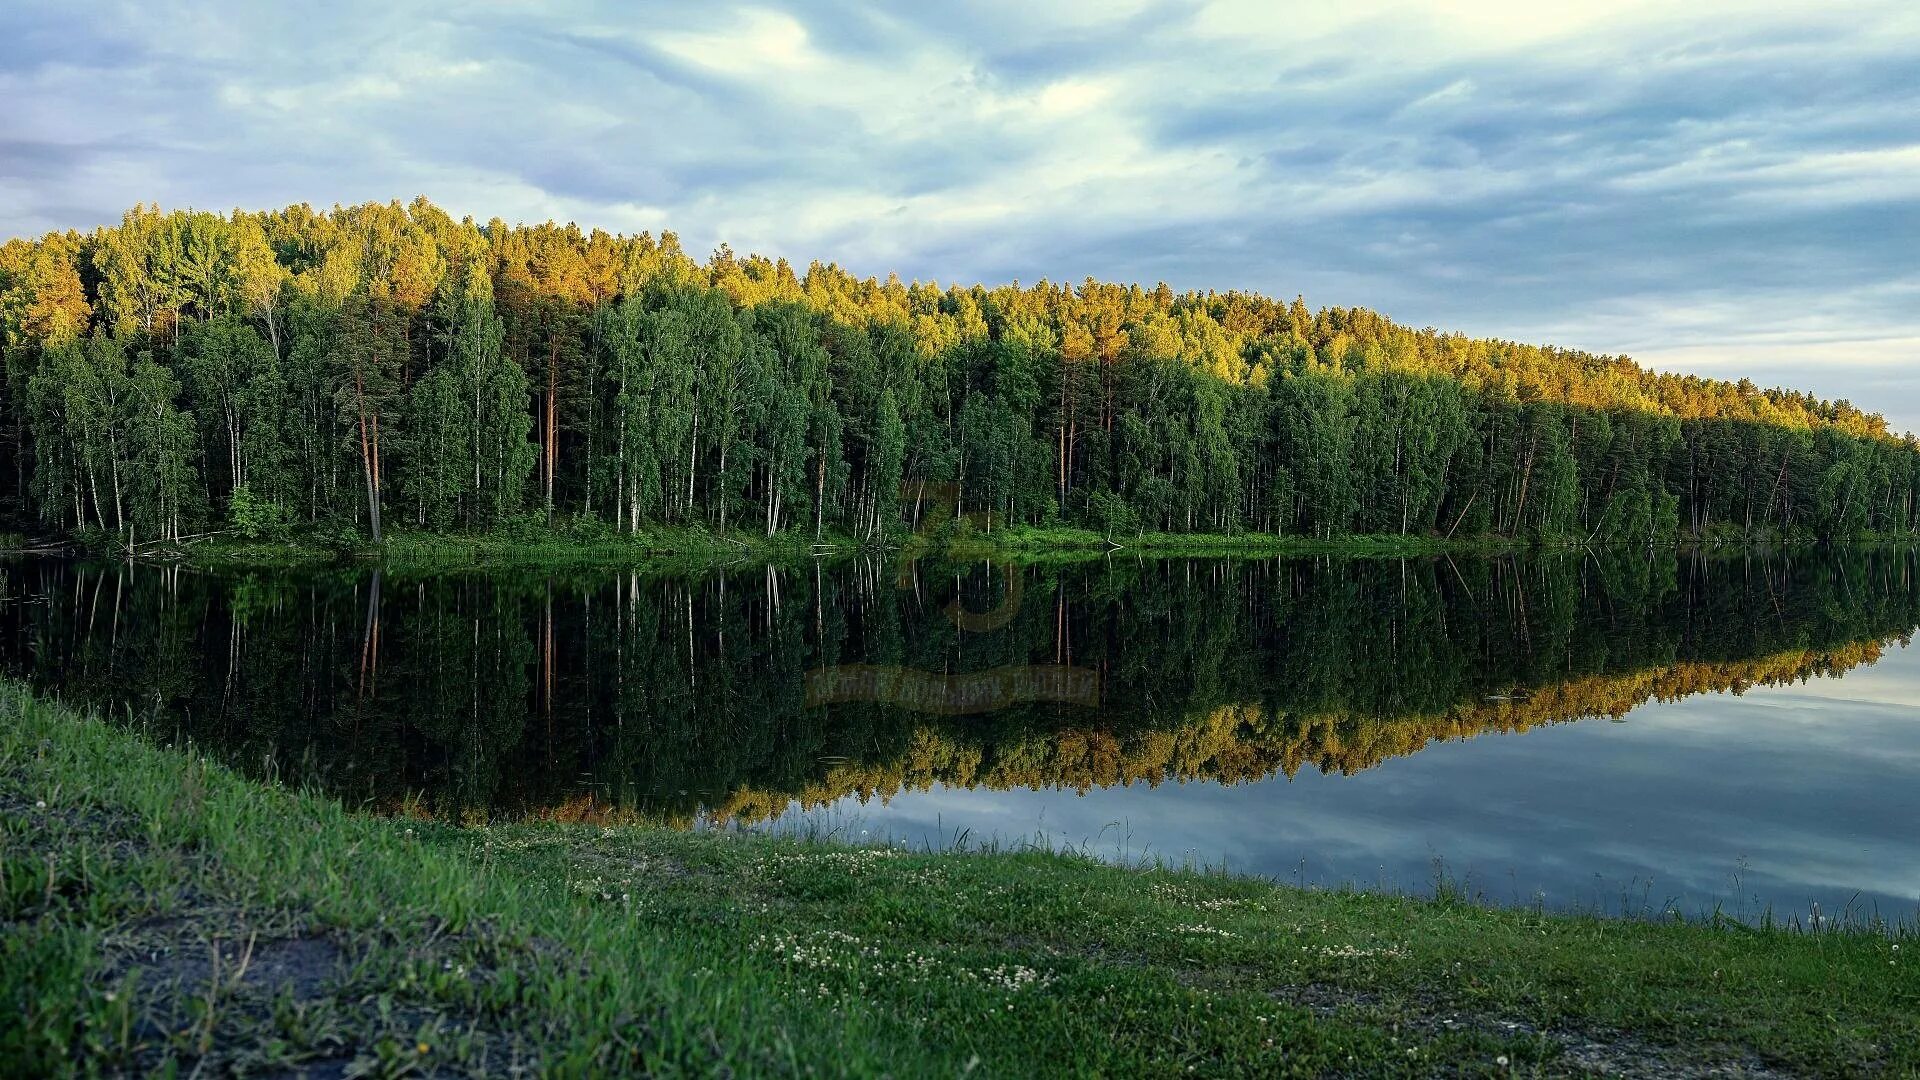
[375, 367]
[605, 695]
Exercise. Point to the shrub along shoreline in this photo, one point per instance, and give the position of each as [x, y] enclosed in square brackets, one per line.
[162, 911]
[689, 549]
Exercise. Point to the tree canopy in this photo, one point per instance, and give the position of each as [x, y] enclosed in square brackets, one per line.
[379, 365]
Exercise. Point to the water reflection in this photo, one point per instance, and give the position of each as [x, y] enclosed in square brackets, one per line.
[625, 697]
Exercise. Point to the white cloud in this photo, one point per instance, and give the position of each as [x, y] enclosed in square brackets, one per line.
[1693, 185]
[757, 43]
[1070, 97]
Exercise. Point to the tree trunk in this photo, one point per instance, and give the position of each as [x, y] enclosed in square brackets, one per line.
[553, 416]
[368, 464]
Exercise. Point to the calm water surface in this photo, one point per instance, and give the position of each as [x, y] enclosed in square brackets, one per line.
[1627, 733]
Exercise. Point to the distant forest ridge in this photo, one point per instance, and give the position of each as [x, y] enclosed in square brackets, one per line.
[341, 373]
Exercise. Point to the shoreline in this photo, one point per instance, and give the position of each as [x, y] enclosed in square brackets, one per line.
[164, 909]
[697, 549]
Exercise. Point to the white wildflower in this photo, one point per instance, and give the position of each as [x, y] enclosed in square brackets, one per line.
[1349, 952]
[1203, 929]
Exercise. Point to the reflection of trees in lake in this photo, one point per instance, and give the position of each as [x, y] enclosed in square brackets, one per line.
[615, 695]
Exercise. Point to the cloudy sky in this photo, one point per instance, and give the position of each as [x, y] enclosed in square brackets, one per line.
[1723, 187]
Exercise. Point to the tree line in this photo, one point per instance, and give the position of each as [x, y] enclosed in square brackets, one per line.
[343, 373]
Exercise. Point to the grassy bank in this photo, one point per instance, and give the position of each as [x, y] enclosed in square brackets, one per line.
[694, 548]
[1032, 543]
[592, 544]
[405, 552]
[162, 912]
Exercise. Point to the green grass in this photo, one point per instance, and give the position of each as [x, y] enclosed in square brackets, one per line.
[665, 547]
[414, 552]
[162, 913]
[1025, 543]
[656, 545]
[586, 543]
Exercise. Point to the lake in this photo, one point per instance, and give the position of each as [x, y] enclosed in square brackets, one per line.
[1627, 733]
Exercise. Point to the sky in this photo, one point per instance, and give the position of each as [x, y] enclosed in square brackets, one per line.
[1726, 188]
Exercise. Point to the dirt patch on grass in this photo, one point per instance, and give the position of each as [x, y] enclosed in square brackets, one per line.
[39, 818]
[1577, 1051]
[214, 950]
[212, 987]
[1570, 1050]
[227, 991]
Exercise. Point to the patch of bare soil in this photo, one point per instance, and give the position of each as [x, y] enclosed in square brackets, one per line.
[1582, 1052]
[214, 988]
[241, 993]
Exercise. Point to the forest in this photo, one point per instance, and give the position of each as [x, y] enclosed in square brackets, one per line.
[339, 375]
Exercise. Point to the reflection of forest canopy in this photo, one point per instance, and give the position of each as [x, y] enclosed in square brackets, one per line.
[1238, 743]
[316, 372]
[628, 695]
